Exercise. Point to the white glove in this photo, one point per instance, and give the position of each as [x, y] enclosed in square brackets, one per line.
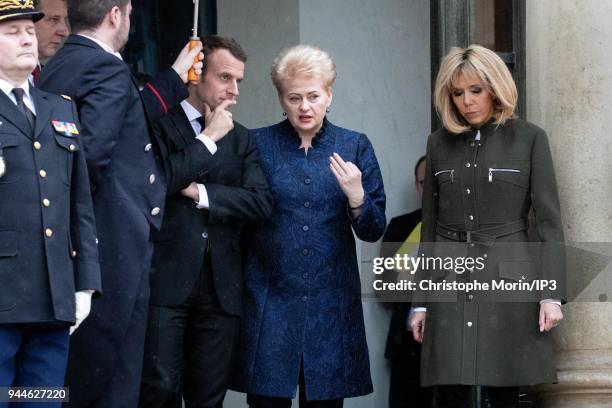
[83, 307]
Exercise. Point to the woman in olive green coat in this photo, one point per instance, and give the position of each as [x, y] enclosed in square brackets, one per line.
[485, 171]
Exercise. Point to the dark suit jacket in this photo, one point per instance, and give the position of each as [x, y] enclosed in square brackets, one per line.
[47, 248]
[400, 345]
[237, 192]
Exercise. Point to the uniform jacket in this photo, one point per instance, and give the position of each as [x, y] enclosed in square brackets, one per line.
[302, 289]
[237, 192]
[47, 230]
[129, 190]
[113, 113]
[475, 185]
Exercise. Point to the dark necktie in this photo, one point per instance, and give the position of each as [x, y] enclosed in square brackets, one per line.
[18, 92]
[202, 123]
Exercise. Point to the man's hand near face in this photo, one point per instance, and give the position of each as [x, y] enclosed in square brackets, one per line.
[218, 121]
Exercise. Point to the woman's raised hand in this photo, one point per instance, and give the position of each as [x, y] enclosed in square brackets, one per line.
[349, 179]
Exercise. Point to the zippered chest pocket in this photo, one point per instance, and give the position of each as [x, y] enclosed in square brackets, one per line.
[493, 171]
[445, 175]
[517, 174]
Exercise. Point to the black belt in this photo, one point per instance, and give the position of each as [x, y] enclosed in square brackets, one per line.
[484, 235]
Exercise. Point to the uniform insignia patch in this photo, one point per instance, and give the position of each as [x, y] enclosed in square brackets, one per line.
[66, 128]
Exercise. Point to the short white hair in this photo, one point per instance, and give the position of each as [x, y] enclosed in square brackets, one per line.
[303, 60]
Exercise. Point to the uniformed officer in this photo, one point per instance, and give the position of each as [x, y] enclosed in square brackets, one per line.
[47, 233]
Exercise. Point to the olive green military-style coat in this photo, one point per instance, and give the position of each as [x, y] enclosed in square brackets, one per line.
[488, 187]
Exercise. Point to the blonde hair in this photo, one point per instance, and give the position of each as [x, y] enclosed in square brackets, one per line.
[492, 72]
[306, 60]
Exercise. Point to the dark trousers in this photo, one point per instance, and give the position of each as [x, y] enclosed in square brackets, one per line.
[260, 401]
[464, 396]
[404, 388]
[125, 382]
[189, 350]
[106, 352]
[33, 355]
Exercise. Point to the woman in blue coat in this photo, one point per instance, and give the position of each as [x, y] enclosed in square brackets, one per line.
[303, 319]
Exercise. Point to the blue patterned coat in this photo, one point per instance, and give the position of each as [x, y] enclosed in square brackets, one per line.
[302, 287]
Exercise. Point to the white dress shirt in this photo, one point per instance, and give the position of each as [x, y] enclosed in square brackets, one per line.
[193, 115]
[7, 88]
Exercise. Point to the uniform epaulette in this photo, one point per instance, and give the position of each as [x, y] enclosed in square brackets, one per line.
[66, 97]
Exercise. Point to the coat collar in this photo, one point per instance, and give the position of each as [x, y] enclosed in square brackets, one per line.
[291, 139]
[486, 130]
[76, 39]
[12, 114]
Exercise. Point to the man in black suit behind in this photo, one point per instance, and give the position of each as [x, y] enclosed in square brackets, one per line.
[128, 187]
[401, 349]
[215, 186]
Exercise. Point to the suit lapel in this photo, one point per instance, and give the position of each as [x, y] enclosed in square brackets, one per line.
[12, 114]
[43, 111]
[182, 124]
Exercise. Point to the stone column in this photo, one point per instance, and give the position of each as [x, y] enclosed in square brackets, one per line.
[569, 83]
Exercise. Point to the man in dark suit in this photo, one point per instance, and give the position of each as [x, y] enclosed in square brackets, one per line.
[52, 30]
[128, 187]
[215, 186]
[401, 349]
[48, 255]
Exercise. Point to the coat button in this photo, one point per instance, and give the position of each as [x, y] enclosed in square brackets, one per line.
[48, 232]
[305, 228]
[205, 235]
[467, 164]
[72, 148]
[469, 324]
[304, 298]
[73, 254]
[46, 202]
[152, 179]
[307, 181]
[307, 204]
[475, 164]
[468, 191]
[470, 297]
[42, 173]
[155, 211]
[148, 147]
[471, 218]
[37, 145]
[304, 252]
